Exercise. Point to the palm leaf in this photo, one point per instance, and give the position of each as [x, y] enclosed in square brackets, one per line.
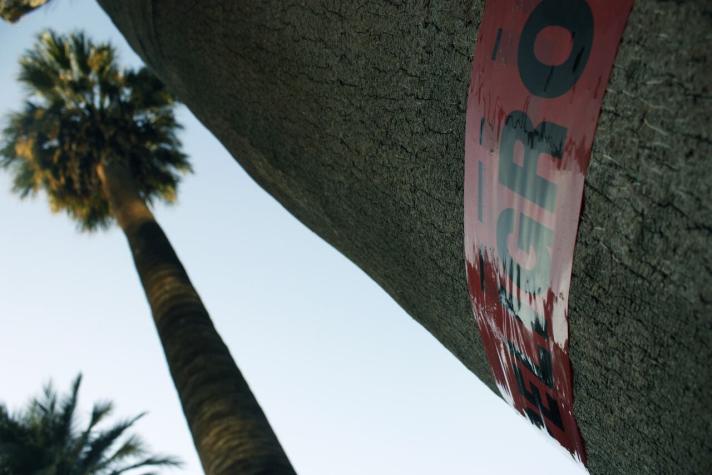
[97, 448]
[41, 440]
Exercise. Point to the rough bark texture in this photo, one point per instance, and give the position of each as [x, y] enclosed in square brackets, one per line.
[352, 115]
[230, 431]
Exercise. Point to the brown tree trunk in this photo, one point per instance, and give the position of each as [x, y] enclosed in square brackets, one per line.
[352, 115]
[229, 429]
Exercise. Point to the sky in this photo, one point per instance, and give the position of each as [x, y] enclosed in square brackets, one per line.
[350, 383]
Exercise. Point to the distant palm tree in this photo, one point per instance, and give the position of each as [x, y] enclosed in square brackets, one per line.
[101, 142]
[13, 10]
[45, 439]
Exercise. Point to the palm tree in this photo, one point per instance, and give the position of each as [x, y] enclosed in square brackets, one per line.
[13, 10]
[101, 142]
[45, 439]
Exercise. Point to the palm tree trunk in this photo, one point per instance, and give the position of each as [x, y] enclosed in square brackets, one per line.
[229, 429]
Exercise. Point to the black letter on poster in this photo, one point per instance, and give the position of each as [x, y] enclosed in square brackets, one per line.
[545, 80]
[547, 138]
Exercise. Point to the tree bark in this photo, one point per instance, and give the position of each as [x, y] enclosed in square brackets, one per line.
[352, 115]
[229, 429]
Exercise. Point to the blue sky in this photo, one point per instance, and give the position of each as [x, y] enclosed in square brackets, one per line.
[350, 383]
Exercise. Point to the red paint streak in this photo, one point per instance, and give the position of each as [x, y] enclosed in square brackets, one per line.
[531, 362]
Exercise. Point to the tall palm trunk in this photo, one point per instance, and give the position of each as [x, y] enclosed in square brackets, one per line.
[229, 429]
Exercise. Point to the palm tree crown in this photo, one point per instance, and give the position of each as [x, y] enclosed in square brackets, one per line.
[45, 439]
[81, 111]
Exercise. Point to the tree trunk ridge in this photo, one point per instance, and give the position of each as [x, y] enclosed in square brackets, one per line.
[229, 429]
[352, 115]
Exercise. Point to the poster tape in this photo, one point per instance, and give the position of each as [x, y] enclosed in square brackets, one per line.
[539, 73]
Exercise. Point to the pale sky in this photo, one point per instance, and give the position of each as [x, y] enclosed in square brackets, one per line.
[351, 384]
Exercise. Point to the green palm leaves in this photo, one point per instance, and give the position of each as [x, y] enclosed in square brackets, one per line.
[13, 10]
[45, 439]
[82, 110]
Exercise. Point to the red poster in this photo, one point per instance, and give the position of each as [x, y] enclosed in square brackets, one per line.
[539, 73]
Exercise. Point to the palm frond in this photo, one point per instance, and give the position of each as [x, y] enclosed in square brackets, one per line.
[150, 462]
[132, 447]
[13, 10]
[40, 439]
[97, 448]
[66, 414]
